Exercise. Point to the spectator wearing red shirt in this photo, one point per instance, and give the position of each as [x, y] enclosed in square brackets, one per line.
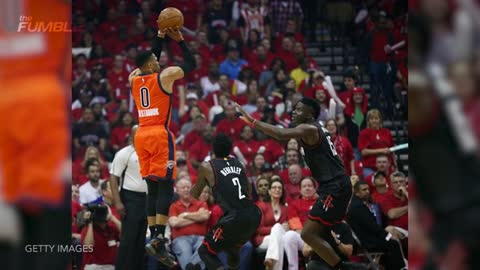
[118, 79]
[382, 164]
[273, 149]
[380, 189]
[395, 205]
[183, 164]
[202, 148]
[260, 59]
[374, 140]
[80, 164]
[286, 54]
[231, 125]
[381, 71]
[255, 169]
[103, 237]
[273, 225]
[292, 182]
[292, 31]
[188, 218]
[308, 86]
[297, 216]
[121, 130]
[343, 147]
[200, 70]
[195, 134]
[247, 145]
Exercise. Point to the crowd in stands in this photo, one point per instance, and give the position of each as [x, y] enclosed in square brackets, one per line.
[255, 54]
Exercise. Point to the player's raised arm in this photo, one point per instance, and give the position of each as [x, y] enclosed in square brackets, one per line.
[304, 132]
[189, 61]
[204, 171]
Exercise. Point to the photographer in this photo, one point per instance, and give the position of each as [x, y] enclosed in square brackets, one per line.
[102, 232]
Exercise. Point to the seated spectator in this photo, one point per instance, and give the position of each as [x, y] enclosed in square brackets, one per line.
[201, 150]
[355, 112]
[267, 171]
[103, 236]
[187, 120]
[374, 140]
[273, 225]
[300, 73]
[291, 29]
[233, 64]
[262, 187]
[184, 165]
[87, 132]
[297, 216]
[118, 78]
[286, 53]
[91, 190]
[273, 149]
[292, 156]
[380, 189]
[80, 104]
[372, 236]
[121, 130]
[251, 96]
[342, 146]
[195, 135]
[292, 182]
[232, 125]
[382, 164]
[99, 85]
[260, 59]
[267, 76]
[79, 168]
[323, 99]
[188, 218]
[395, 204]
[246, 147]
[209, 83]
[256, 167]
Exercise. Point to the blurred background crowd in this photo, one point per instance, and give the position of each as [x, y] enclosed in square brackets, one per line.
[350, 56]
[444, 66]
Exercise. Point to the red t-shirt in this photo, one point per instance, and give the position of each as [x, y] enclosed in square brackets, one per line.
[230, 128]
[248, 148]
[104, 250]
[380, 197]
[119, 136]
[377, 51]
[190, 139]
[390, 202]
[197, 228]
[374, 139]
[199, 150]
[274, 150]
[300, 208]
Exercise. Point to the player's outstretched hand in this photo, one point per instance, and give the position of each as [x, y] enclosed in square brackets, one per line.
[245, 115]
[174, 33]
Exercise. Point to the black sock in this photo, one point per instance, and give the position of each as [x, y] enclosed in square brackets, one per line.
[160, 230]
[153, 231]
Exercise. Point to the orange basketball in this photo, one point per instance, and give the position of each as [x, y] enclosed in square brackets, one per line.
[170, 17]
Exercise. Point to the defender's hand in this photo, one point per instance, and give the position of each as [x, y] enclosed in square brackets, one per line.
[245, 116]
[161, 34]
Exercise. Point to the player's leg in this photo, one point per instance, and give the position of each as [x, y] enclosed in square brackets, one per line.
[330, 207]
[314, 234]
[233, 258]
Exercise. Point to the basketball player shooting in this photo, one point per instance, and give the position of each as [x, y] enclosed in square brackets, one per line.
[229, 182]
[154, 142]
[335, 189]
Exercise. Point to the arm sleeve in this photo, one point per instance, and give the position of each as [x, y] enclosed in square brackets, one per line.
[189, 61]
[157, 44]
